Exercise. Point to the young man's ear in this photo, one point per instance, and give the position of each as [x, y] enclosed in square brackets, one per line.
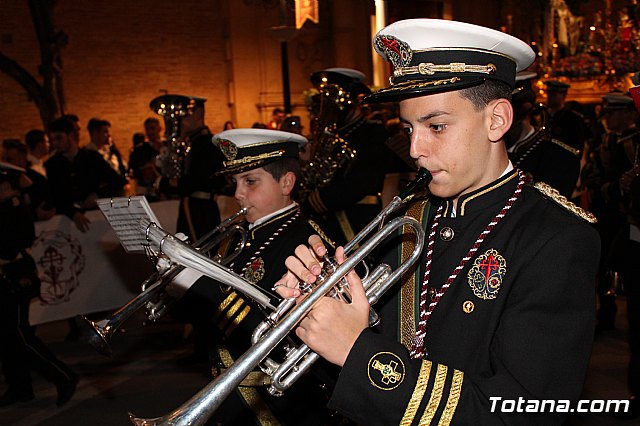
[500, 118]
[287, 182]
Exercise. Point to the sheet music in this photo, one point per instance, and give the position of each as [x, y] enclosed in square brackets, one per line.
[125, 214]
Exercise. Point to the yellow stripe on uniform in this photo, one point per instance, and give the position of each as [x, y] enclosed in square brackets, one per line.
[237, 320]
[222, 324]
[436, 395]
[454, 397]
[225, 303]
[418, 393]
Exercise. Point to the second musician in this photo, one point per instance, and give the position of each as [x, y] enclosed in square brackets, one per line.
[264, 164]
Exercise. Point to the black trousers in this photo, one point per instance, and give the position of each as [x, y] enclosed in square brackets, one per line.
[22, 351]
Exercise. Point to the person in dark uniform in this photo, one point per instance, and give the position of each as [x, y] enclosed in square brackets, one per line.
[601, 177]
[36, 194]
[501, 307]
[531, 147]
[65, 189]
[624, 259]
[264, 165]
[142, 167]
[567, 125]
[198, 186]
[346, 199]
[21, 350]
[624, 254]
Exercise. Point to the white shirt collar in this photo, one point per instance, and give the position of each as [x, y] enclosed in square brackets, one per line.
[264, 219]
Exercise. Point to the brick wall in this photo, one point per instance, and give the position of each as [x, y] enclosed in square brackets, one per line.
[121, 54]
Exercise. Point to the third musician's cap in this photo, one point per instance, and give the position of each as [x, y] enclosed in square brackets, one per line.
[435, 55]
[617, 101]
[347, 79]
[171, 104]
[246, 149]
[523, 97]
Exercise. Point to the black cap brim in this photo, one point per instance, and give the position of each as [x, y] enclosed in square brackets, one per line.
[416, 88]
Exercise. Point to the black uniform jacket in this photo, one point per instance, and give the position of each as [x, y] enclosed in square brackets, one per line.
[198, 186]
[526, 335]
[236, 317]
[622, 152]
[548, 160]
[73, 180]
[62, 181]
[94, 175]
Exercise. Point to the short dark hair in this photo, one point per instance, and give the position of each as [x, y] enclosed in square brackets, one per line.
[151, 120]
[481, 94]
[96, 123]
[63, 124]
[280, 167]
[33, 138]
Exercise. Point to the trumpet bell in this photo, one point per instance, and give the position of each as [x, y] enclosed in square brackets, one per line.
[96, 334]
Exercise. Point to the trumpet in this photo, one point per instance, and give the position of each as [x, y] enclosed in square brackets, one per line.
[288, 314]
[154, 296]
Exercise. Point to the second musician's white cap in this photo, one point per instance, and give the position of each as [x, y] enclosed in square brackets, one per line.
[246, 149]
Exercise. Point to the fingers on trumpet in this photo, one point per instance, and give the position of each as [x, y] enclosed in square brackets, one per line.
[287, 287]
[306, 267]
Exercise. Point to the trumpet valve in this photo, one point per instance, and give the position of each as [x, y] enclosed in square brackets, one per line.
[163, 264]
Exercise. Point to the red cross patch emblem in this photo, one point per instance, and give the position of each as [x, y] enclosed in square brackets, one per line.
[228, 148]
[398, 51]
[255, 271]
[486, 274]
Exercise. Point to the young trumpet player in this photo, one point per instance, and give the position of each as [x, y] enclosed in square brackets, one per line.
[264, 165]
[500, 310]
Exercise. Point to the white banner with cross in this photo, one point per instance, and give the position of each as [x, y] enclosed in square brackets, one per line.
[88, 272]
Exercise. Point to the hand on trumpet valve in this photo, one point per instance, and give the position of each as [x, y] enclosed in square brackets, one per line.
[332, 326]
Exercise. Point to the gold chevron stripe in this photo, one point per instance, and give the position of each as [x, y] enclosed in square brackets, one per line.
[436, 395]
[418, 394]
[454, 397]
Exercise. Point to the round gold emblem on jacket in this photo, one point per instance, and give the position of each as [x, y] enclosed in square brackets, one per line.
[386, 370]
[447, 234]
[468, 306]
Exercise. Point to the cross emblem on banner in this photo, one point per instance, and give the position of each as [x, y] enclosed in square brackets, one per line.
[52, 262]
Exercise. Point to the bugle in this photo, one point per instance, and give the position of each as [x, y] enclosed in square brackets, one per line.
[186, 256]
[154, 296]
[201, 406]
